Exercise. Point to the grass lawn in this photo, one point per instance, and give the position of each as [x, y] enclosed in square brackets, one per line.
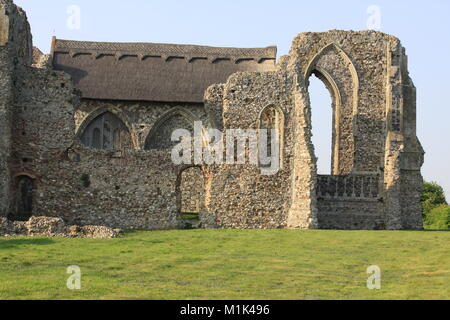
[230, 264]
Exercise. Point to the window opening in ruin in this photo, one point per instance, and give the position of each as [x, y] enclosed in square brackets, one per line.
[322, 124]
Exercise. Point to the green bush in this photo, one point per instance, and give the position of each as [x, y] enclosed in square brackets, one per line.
[438, 218]
[432, 197]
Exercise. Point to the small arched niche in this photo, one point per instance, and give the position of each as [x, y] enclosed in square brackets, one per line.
[107, 132]
[271, 120]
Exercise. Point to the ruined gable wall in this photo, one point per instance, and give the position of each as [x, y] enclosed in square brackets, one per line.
[362, 115]
[379, 133]
[356, 69]
[238, 196]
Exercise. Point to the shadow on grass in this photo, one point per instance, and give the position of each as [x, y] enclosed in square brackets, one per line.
[7, 244]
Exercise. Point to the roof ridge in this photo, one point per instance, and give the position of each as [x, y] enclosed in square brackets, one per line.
[162, 49]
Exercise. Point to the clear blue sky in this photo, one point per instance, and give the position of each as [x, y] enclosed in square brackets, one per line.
[423, 27]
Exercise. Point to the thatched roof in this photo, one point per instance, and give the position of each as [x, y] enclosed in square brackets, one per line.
[153, 72]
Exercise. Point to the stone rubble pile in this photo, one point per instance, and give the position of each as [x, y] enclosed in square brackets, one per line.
[53, 227]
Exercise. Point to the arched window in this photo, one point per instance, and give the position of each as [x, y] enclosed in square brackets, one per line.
[160, 137]
[322, 124]
[107, 132]
[336, 70]
[271, 120]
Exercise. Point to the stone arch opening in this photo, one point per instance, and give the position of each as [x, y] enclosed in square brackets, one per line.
[191, 193]
[25, 189]
[334, 67]
[331, 150]
[160, 136]
[323, 121]
[107, 132]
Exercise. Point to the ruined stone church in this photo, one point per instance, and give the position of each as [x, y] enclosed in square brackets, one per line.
[85, 132]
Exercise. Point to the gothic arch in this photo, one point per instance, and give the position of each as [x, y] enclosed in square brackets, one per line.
[335, 93]
[185, 115]
[120, 135]
[26, 173]
[344, 111]
[313, 65]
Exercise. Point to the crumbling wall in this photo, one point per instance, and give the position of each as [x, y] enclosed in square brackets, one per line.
[126, 189]
[40, 112]
[404, 153]
[353, 66]
[6, 98]
[374, 142]
[373, 136]
[116, 188]
[192, 190]
[15, 51]
[123, 188]
[238, 195]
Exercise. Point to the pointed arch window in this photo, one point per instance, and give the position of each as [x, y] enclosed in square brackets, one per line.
[107, 132]
[337, 71]
[160, 137]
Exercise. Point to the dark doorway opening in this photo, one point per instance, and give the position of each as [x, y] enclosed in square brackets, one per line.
[24, 198]
[191, 188]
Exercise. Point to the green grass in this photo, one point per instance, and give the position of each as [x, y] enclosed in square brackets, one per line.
[230, 264]
[190, 216]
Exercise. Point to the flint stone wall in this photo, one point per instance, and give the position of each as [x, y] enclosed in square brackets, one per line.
[374, 126]
[125, 188]
[192, 190]
[374, 134]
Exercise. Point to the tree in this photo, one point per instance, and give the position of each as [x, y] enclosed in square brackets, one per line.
[432, 197]
[438, 218]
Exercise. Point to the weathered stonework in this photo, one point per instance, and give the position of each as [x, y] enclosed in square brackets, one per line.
[376, 183]
[102, 155]
[53, 227]
[192, 188]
